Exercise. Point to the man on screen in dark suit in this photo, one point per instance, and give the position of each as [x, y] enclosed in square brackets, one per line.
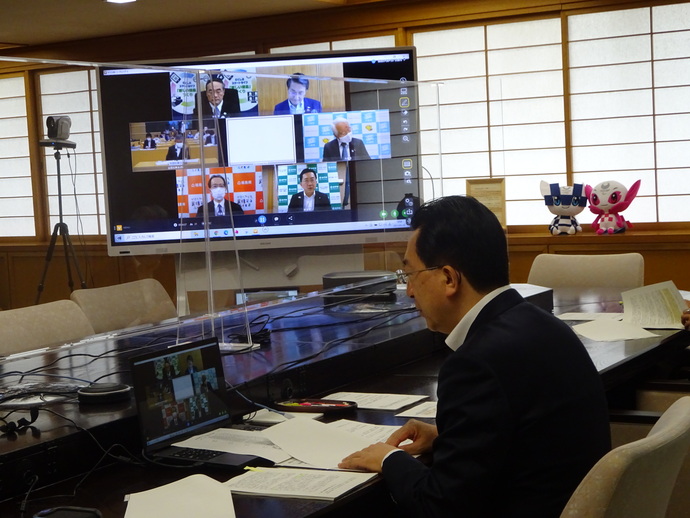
[521, 414]
[296, 101]
[344, 146]
[221, 102]
[219, 205]
[309, 199]
[178, 151]
[149, 142]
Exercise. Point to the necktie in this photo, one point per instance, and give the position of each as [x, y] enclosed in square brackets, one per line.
[219, 210]
[344, 151]
[216, 112]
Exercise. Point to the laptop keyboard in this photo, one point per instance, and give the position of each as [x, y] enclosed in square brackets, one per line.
[196, 454]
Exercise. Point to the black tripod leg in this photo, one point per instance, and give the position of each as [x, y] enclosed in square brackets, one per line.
[49, 256]
[70, 253]
[65, 246]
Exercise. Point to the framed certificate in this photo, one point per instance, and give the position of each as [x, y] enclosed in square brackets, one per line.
[492, 193]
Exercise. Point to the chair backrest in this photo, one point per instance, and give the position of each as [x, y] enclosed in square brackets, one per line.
[624, 271]
[33, 327]
[636, 479]
[125, 305]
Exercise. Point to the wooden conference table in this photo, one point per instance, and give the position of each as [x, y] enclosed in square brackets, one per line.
[356, 347]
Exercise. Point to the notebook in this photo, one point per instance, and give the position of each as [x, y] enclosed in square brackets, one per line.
[180, 392]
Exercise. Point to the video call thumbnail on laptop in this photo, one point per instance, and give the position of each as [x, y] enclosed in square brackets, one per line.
[179, 393]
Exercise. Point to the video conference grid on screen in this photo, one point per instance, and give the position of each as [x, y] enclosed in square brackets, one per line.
[179, 391]
[286, 152]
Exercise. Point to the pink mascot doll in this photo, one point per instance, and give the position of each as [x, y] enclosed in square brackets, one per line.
[607, 200]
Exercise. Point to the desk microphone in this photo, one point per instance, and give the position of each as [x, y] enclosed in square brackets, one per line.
[104, 393]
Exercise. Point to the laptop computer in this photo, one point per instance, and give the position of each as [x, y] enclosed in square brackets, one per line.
[179, 393]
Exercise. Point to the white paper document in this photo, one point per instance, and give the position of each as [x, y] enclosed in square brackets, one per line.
[298, 483]
[657, 306]
[371, 432]
[426, 410]
[182, 499]
[591, 316]
[242, 442]
[373, 401]
[315, 443]
[611, 331]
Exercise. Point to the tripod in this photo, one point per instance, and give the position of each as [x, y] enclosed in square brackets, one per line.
[62, 230]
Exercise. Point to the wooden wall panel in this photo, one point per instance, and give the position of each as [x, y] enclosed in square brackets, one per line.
[521, 257]
[23, 270]
[4, 283]
[664, 255]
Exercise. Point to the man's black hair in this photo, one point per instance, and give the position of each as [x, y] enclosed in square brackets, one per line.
[215, 79]
[460, 232]
[225, 182]
[298, 77]
[305, 171]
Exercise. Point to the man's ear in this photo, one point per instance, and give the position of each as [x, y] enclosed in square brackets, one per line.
[453, 278]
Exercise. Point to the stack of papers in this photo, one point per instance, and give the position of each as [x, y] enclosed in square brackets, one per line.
[298, 483]
[311, 448]
[657, 306]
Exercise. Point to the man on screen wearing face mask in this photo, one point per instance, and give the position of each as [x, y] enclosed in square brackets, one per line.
[344, 146]
[219, 205]
[178, 151]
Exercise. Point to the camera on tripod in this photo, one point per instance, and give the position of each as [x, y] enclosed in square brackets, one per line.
[58, 131]
[58, 127]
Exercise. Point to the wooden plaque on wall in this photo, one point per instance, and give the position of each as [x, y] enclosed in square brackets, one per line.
[492, 193]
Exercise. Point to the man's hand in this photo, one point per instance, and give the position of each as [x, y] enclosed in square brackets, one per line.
[421, 434]
[371, 458]
[368, 459]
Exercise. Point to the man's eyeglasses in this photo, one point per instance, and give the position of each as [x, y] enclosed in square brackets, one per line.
[402, 275]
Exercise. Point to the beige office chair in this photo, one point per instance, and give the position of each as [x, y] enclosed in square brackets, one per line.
[33, 327]
[624, 271]
[125, 305]
[636, 479]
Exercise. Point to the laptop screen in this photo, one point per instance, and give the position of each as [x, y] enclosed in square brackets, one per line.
[179, 391]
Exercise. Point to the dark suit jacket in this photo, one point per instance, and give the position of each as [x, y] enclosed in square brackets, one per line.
[310, 106]
[172, 153]
[230, 107]
[236, 209]
[331, 151]
[322, 202]
[521, 415]
[151, 144]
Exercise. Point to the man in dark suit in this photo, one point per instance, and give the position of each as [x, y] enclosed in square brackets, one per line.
[178, 151]
[219, 205]
[222, 102]
[149, 142]
[344, 146]
[521, 416]
[296, 101]
[309, 199]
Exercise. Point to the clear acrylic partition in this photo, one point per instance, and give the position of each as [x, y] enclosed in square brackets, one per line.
[165, 158]
[272, 249]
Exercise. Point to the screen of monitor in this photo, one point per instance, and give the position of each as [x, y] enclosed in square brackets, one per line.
[264, 152]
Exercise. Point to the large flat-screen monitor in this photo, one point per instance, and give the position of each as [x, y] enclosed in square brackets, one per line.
[261, 152]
